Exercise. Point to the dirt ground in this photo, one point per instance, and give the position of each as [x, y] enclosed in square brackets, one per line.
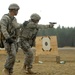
[49, 66]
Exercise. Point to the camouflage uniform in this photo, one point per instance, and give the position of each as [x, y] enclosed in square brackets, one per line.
[8, 27]
[27, 37]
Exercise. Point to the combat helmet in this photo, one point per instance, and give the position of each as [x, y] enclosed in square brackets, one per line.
[13, 6]
[35, 16]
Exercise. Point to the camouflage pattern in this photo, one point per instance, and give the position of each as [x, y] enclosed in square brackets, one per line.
[35, 16]
[28, 52]
[14, 6]
[11, 51]
[8, 28]
[31, 29]
[27, 38]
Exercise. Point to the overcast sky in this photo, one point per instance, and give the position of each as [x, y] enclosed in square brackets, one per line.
[60, 11]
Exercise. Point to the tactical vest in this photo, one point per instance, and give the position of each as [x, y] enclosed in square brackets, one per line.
[29, 31]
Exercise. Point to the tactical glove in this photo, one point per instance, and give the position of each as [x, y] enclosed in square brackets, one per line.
[9, 40]
[51, 26]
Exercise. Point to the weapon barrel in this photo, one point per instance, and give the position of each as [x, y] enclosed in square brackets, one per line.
[52, 22]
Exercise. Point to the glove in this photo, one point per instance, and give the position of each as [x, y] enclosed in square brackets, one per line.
[51, 26]
[9, 40]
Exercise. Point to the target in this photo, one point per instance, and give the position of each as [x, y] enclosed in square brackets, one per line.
[46, 46]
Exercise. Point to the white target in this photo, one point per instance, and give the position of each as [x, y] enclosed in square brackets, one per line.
[46, 43]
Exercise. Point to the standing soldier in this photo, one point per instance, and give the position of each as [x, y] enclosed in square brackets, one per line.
[8, 27]
[27, 38]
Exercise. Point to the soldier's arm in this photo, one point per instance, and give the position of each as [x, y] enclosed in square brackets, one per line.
[50, 25]
[4, 23]
[16, 24]
[41, 26]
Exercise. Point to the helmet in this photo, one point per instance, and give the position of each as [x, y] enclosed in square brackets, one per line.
[14, 6]
[35, 16]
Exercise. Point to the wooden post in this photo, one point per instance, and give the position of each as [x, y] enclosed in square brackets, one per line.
[36, 59]
[58, 59]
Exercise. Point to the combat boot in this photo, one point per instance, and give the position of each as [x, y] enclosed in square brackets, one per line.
[29, 71]
[24, 69]
[5, 72]
[11, 72]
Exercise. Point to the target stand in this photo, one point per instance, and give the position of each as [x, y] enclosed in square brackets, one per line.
[46, 45]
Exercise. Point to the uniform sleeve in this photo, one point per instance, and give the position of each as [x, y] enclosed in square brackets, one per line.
[4, 23]
[16, 24]
[40, 26]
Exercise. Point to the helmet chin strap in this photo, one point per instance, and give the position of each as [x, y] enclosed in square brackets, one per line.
[35, 21]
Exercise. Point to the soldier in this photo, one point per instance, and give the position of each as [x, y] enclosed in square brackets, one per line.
[8, 27]
[27, 38]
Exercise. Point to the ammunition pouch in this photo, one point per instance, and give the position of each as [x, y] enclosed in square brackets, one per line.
[1, 40]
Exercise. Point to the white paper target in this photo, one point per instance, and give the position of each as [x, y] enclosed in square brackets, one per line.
[46, 43]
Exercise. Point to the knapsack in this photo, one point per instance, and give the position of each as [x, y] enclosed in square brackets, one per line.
[1, 38]
[1, 35]
[25, 23]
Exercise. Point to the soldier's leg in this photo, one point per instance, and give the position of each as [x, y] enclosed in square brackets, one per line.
[29, 58]
[11, 51]
[29, 61]
[28, 55]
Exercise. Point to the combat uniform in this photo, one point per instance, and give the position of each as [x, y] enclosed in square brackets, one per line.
[27, 38]
[8, 27]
